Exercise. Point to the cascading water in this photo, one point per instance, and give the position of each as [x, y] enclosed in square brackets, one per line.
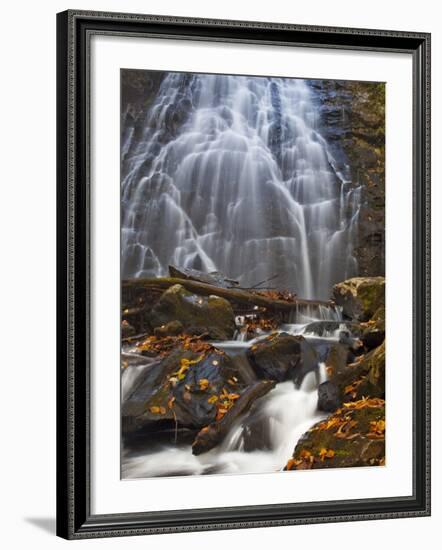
[232, 174]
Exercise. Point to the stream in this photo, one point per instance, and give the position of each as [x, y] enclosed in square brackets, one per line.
[263, 439]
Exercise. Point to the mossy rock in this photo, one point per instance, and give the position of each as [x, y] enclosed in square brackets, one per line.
[364, 377]
[352, 436]
[373, 332]
[197, 314]
[172, 328]
[182, 389]
[360, 297]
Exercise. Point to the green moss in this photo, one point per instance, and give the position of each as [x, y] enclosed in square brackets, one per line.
[347, 435]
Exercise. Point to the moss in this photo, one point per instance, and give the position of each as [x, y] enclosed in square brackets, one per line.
[360, 297]
[352, 436]
[197, 314]
[371, 294]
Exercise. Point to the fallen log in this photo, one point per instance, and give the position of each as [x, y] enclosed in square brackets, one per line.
[236, 295]
[210, 436]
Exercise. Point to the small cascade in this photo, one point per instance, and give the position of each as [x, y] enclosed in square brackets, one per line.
[261, 440]
[315, 312]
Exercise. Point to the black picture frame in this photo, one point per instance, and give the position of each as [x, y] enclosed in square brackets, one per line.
[74, 518]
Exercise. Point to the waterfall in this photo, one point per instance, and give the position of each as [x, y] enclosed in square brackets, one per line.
[231, 173]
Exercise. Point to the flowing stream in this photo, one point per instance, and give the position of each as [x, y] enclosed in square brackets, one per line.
[232, 174]
[280, 418]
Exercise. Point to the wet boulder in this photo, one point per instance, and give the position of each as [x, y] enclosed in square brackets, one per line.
[360, 297]
[209, 315]
[181, 390]
[282, 357]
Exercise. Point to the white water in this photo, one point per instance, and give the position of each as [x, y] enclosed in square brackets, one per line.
[245, 185]
[284, 415]
[288, 412]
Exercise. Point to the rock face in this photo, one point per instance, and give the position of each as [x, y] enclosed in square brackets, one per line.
[197, 314]
[353, 117]
[282, 357]
[181, 389]
[360, 297]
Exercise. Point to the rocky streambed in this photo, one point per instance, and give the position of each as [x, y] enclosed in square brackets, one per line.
[218, 379]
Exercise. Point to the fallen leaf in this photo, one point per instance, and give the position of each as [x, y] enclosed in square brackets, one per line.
[203, 384]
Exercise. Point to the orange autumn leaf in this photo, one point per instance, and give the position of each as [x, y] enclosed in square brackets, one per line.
[203, 384]
[233, 396]
[220, 413]
[326, 453]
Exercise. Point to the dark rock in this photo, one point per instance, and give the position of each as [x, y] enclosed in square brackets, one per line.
[210, 436]
[337, 358]
[172, 328]
[283, 357]
[365, 377]
[175, 391]
[200, 314]
[360, 297]
[329, 397]
[127, 329]
[353, 122]
[374, 331]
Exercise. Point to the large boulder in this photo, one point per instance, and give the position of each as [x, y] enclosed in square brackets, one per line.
[361, 378]
[353, 436]
[282, 357]
[182, 389]
[197, 314]
[360, 297]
